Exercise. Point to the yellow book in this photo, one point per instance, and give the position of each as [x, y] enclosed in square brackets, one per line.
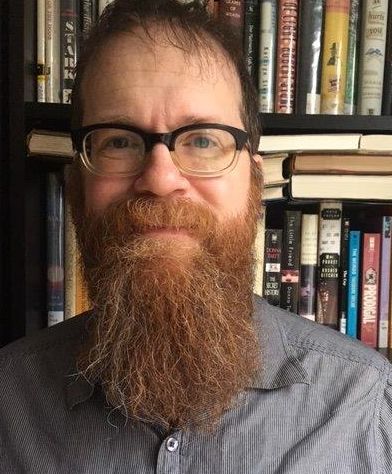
[334, 64]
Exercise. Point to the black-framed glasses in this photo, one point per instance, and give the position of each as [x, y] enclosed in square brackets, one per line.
[207, 149]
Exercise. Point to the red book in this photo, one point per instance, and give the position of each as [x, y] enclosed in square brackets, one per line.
[370, 289]
[286, 56]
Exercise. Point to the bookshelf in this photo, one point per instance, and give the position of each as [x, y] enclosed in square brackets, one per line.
[22, 199]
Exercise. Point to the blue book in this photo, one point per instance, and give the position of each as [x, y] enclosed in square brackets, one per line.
[354, 253]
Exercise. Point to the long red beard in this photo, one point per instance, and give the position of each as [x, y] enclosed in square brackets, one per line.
[173, 340]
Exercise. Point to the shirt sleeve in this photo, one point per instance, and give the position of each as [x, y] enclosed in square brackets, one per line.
[385, 428]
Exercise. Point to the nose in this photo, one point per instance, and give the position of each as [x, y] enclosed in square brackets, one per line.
[160, 176]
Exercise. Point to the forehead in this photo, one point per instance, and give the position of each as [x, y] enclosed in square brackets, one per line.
[133, 74]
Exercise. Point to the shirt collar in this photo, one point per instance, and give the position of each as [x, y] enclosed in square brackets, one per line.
[279, 365]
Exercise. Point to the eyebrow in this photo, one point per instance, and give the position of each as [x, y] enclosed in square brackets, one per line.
[184, 120]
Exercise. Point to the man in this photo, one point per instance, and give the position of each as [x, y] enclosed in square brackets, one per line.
[179, 368]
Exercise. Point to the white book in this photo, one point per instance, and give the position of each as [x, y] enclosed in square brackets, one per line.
[372, 56]
[41, 69]
[52, 50]
[102, 5]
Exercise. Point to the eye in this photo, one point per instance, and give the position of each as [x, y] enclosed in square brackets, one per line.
[118, 142]
[202, 142]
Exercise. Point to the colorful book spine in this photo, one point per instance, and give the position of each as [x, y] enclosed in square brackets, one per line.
[387, 83]
[55, 248]
[330, 223]
[334, 63]
[69, 34]
[308, 266]
[385, 282]
[290, 267]
[310, 27]
[52, 50]
[41, 69]
[267, 52]
[251, 37]
[233, 12]
[343, 277]
[354, 256]
[286, 56]
[350, 96]
[370, 288]
[372, 57]
[272, 264]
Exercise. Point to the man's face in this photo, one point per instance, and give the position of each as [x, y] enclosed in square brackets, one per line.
[155, 89]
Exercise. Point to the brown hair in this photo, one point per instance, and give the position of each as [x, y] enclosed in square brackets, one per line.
[187, 26]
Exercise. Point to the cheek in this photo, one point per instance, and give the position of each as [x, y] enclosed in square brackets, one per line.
[100, 192]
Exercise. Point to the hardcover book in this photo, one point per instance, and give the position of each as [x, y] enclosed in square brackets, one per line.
[343, 275]
[387, 82]
[272, 264]
[330, 222]
[350, 96]
[310, 27]
[290, 266]
[286, 56]
[41, 68]
[334, 63]
[354, 256]
[232, 12]
[69, 34]
[308, 263]
[385, 282]
[251, 37]
[370, 288]
[52, 51]
[267, 52]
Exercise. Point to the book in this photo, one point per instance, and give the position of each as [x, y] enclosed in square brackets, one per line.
[267, 52]
[370, 288]
[290, 266]
[385, 282]
[343, 275]
[233, 12]
[52, 51]
[342, 163]
[350, 94]
[308, 266]
[334, 62]
[259, 247]
[55, 248]
[372, 56]
[342, 187]
[69, 37]
[386, 108]
[276, 192]
[272, 265]
[41, 68]
[354, 256]
[330, 223]
[46, 142]
[376, 143]
[310, 27]
[273, 167]
[286, 47]
[87, 17]
[251, 37]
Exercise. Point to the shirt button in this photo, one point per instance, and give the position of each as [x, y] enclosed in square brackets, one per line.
[172, 444]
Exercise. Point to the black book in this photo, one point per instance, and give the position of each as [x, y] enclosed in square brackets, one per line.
[251, 37]
[69, 43]
[309, 54]
[87, 18]
[290, 281]
[387, 84]
[343, 275]
[272, 261]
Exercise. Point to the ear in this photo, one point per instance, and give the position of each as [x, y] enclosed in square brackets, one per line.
[258, 159]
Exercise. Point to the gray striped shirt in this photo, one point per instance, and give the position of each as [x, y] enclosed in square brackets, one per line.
[322, 404]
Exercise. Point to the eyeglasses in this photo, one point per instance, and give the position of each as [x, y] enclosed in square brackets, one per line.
[207, 149]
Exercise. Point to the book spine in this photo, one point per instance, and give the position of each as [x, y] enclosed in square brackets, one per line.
[350, 96]
[370, 289]
[387, 83]
[232, 12]
[343, 275]
[372, 57]
[308, 266]
[52, 50]
[289, 287]
[354, 253]
[335, 42]
[102, 4]
[55, 248]
[70, 262]
[251, 37]
[385, 282]
[310, 27]
[41, 68]
[330, 222]
[267, 52]
[272, 264]
[258, 284]
[69, 46]
[87, 18]
[286, 56]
